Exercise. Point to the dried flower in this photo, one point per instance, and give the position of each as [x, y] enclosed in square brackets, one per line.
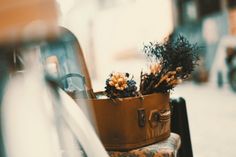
[175, 60]
[118, 85]
[119, 81]
[155, 68]
[178, 69]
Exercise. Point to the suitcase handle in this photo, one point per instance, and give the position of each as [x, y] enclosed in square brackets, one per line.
[156, 117]
[82, 77]
[165, 116]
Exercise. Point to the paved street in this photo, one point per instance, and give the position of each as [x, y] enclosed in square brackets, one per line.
[212, 118]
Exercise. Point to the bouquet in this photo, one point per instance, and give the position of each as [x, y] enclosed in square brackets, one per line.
[171, 62]
[120, 85]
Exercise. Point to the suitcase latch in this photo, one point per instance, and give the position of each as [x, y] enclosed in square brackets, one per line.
[141, 117]
[154, 118]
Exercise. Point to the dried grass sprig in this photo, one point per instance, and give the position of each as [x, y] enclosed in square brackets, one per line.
[177, 59]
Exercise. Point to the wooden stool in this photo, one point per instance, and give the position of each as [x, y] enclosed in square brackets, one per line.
[166, 148]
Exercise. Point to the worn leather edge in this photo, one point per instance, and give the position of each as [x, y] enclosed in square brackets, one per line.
[130, 146]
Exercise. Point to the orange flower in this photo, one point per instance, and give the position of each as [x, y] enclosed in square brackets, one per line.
[118, 80]
[155, 68]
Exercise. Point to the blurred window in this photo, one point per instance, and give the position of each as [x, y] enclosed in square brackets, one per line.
[231, 4]
[207, 7]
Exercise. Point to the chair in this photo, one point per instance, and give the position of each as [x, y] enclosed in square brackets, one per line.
[179, 125]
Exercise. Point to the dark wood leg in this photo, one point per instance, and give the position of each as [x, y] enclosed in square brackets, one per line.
[180, 125]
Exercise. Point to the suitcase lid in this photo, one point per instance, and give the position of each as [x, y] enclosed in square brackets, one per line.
[67, 50]
[81, 60]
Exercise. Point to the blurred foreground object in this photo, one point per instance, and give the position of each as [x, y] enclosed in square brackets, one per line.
[27, 20]
[232, 16]
[44, 121]
[37, 117]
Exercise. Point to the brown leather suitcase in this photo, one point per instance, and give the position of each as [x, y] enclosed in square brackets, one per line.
[125, 123]
[129, 123]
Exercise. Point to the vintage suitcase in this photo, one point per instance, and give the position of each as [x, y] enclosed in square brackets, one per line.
[127, 123]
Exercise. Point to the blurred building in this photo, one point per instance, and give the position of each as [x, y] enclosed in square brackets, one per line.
[112, 32]
[206, 21]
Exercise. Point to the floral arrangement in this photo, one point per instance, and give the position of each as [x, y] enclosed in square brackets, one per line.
[120, 85]
[171, 62]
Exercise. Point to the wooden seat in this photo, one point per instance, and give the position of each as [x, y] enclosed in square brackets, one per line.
[166, 148]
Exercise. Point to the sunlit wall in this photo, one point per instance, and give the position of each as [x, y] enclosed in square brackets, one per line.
[112, 37]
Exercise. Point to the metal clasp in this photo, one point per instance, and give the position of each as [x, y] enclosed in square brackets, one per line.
[141, 117]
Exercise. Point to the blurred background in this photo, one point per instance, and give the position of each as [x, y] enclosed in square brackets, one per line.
[112, 33]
